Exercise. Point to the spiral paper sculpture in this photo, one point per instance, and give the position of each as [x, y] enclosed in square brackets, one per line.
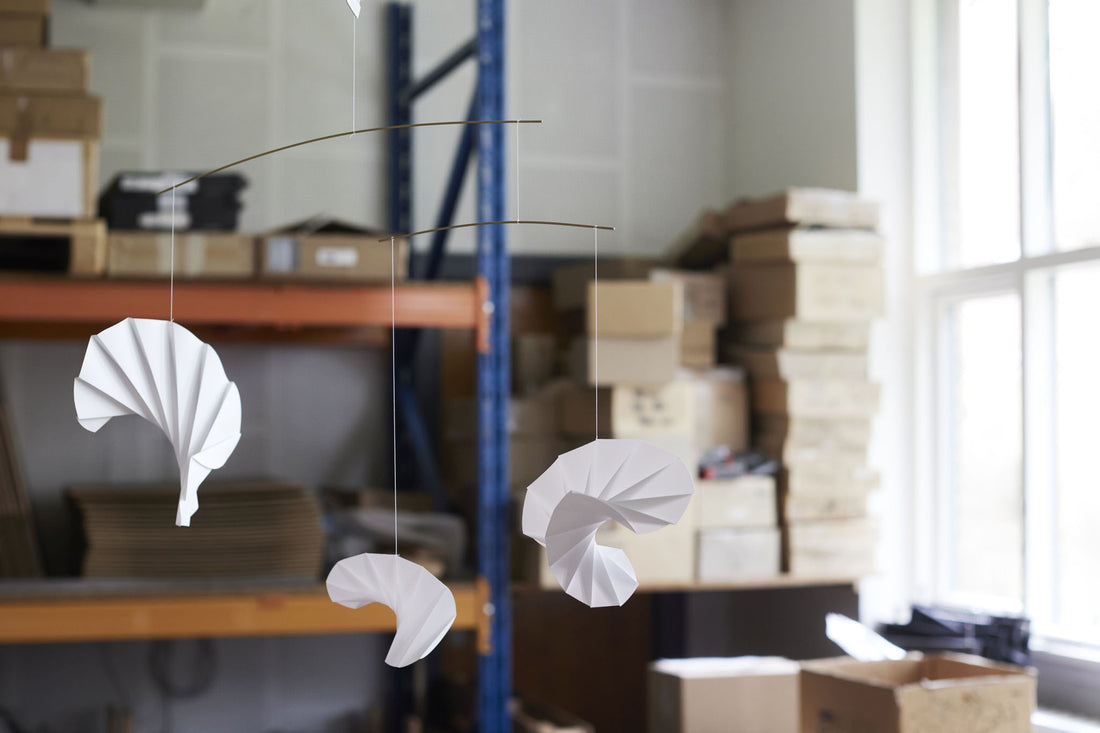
[160, 371]
[425, 608]
[631, 482]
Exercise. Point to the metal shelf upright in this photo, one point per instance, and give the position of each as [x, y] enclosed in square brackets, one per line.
[493, 362]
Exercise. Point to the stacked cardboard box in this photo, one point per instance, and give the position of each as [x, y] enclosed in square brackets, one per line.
[639, 388]
[738, 532]
[49, 124]
[49, 150]
[805, 284]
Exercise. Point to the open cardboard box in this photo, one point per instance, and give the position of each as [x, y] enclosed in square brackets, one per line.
[936, 693]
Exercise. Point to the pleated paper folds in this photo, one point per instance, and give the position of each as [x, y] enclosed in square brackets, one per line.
[631, 482]
[160, 371]
[425, 607]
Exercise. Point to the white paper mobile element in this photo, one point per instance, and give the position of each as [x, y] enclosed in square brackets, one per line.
[424, 606]
[631, 482]
[355, 6]
[160, 371]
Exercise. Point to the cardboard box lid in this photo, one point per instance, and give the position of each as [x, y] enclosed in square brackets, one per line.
[36, 7]
[62, 116]
[636, 308]
[931, 671]
[325, 224]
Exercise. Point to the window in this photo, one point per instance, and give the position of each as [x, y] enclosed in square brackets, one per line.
[1008, 295]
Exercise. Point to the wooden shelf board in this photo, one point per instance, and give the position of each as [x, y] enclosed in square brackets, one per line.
[278, 613]
[51, 300]
[778, 581]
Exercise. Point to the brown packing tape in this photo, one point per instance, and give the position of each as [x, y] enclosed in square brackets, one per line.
[21, 133]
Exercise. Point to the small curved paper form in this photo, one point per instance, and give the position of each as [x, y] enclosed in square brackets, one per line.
[355, 6]
[160, 371]
[425, 608]
[631, 482]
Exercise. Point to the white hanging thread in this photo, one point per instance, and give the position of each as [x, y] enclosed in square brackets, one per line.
[354, 47]
[517, 170]
[393, 381]
[172, 265]
[595, 322]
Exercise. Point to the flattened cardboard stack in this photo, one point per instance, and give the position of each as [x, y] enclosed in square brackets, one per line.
[49, 125]
[19, 557]
[805, 284]
[252, 529]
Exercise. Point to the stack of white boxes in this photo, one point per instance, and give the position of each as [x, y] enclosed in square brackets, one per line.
[805, 284]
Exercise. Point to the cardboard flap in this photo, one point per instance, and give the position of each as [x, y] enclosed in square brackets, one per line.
[325, 224]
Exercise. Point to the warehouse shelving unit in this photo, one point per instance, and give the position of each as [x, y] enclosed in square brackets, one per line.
[494, 268]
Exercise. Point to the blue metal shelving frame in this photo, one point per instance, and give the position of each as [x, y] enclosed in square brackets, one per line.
[493, 365]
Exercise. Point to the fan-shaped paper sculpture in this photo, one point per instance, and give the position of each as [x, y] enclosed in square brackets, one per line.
[355, 6]
[162, 372]
[425, 608]
[631, 482]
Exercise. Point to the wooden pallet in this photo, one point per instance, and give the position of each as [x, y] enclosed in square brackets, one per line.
[74, 246]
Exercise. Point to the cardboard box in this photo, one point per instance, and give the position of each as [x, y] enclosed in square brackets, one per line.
[745, 501]
[629, 411]
[35, 7]
[803, 508]
[732, 554]
[708, 407]
[828, 477]
[528, 417]
[815, 398]
[533, 356]
[528, 458]
[199, 255]
[635, 309]
[626, 360]
[831, 548]
[815, 293]
[43, 70]
[823, 434]
[569, 285]
[722, 408]
[804, 335]
[783, 363]
[22, 29]
[324, 249]
[939, 693]
[48, 178]
[806, 246]
[662, 558]
[698, 345]
[704, 244]
[51, 117]
[704, 294]
[744, 694]
[806, 207]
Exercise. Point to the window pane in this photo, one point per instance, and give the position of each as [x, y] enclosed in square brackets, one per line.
[1075, 119]
[984, 425]
[1077, 409]
[988, 142]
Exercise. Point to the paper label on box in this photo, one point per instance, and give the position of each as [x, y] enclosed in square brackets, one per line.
[50, 182]
[343, 257]
[282, 254]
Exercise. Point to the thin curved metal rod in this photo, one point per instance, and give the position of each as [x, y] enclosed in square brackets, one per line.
[505, 221]
[348, 134]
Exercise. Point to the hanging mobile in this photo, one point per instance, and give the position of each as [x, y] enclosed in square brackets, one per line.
[160, 371]
[636, 484]
[423, 605]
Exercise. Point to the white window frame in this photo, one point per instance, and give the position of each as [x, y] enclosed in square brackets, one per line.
[1069, 669]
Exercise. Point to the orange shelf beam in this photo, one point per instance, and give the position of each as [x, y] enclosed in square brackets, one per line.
[166, 617]
[271, 305]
